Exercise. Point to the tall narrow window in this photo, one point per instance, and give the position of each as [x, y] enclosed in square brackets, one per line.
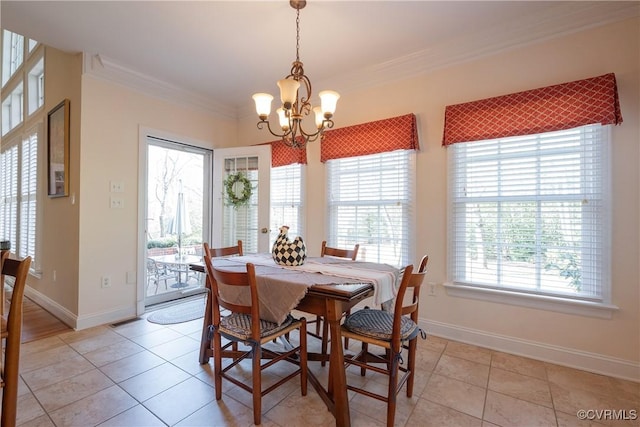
[12, 54]
[12, 109]
[28, 195]
[32, 45]
[531, 213]
[9, 192]
[371, 203]
[36, 86]
[286, 200]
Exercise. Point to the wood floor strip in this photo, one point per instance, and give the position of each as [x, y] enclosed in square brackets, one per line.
[37, 322]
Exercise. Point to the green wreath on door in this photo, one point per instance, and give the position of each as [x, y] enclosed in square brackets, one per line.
[232, 196]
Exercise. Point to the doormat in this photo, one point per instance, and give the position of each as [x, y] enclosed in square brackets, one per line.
[178, 313]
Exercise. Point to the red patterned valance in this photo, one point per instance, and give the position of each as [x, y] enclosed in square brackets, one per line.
[380, 136]
[283, 155]
[546, 109]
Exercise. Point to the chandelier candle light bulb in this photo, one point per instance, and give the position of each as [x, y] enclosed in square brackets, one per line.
[288, 92]
[328, 102]
[296, 106]
[263, 104]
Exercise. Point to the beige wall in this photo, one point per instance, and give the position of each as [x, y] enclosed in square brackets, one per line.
[83, 239]
[59, 220]
[88, 240]
[614, 48]
[111, 122]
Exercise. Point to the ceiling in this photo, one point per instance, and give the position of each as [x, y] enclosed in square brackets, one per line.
[216, 54]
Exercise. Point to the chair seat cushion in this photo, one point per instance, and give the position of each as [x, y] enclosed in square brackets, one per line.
[379, 324]
[239, 326]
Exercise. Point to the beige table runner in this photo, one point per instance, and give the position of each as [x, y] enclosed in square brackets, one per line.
[282, 288]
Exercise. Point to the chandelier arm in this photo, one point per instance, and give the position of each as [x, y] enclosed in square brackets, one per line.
[304, 104]
[312, 136]
[261, 124]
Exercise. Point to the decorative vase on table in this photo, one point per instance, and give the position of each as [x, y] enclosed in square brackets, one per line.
[287, 252]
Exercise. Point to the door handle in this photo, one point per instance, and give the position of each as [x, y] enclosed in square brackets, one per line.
[264, 230]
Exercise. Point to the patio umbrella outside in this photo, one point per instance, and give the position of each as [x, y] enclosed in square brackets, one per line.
[180, 223]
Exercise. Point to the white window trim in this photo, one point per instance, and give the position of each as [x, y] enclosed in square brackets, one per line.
[542, 302]
[600, 309]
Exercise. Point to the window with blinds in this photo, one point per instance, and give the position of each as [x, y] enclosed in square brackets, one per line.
[371, 203]
[28, 195]
[531, 214]
[19, 193]
[9, 193]
[286, 200]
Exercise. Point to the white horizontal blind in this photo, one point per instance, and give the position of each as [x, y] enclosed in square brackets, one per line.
[286, 200]
[28, 196]
[532, 213]
[9, 194]
[371, 203]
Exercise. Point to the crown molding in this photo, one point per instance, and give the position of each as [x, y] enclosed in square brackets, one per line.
[101, 67]
[536, 28]
[553, 22]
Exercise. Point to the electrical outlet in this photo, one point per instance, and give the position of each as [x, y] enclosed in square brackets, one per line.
[117, 203]
[432, 289]
[106, 282]
[117, 186]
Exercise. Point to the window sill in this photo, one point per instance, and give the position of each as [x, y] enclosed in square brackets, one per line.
[561, 305]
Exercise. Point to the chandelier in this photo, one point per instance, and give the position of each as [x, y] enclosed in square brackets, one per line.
[296, 107]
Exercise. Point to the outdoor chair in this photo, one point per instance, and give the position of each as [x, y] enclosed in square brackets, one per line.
[156, 273]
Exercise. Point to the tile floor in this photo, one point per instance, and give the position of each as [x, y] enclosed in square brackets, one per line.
[144, 374]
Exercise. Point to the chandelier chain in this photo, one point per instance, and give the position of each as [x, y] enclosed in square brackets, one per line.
[298, 35]
[295, 105]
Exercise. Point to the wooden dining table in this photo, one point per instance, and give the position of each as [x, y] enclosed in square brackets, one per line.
[323, 294]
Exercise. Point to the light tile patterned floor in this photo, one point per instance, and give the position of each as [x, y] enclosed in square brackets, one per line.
[144, 374]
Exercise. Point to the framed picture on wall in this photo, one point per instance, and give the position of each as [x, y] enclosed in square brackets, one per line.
[58, 149]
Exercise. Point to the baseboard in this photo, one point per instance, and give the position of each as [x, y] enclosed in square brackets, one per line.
[79, 322]
[106, 317]
[592, 362]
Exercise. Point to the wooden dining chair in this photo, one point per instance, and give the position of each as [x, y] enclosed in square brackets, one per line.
[240, 322]
[11, 331]
[207, 349]
[329, 251]
[352, 254]
[226, 251]
[4, 254]
[394, 332]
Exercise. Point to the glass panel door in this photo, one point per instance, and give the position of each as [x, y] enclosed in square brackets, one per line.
[241, 196]
[177, 218]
